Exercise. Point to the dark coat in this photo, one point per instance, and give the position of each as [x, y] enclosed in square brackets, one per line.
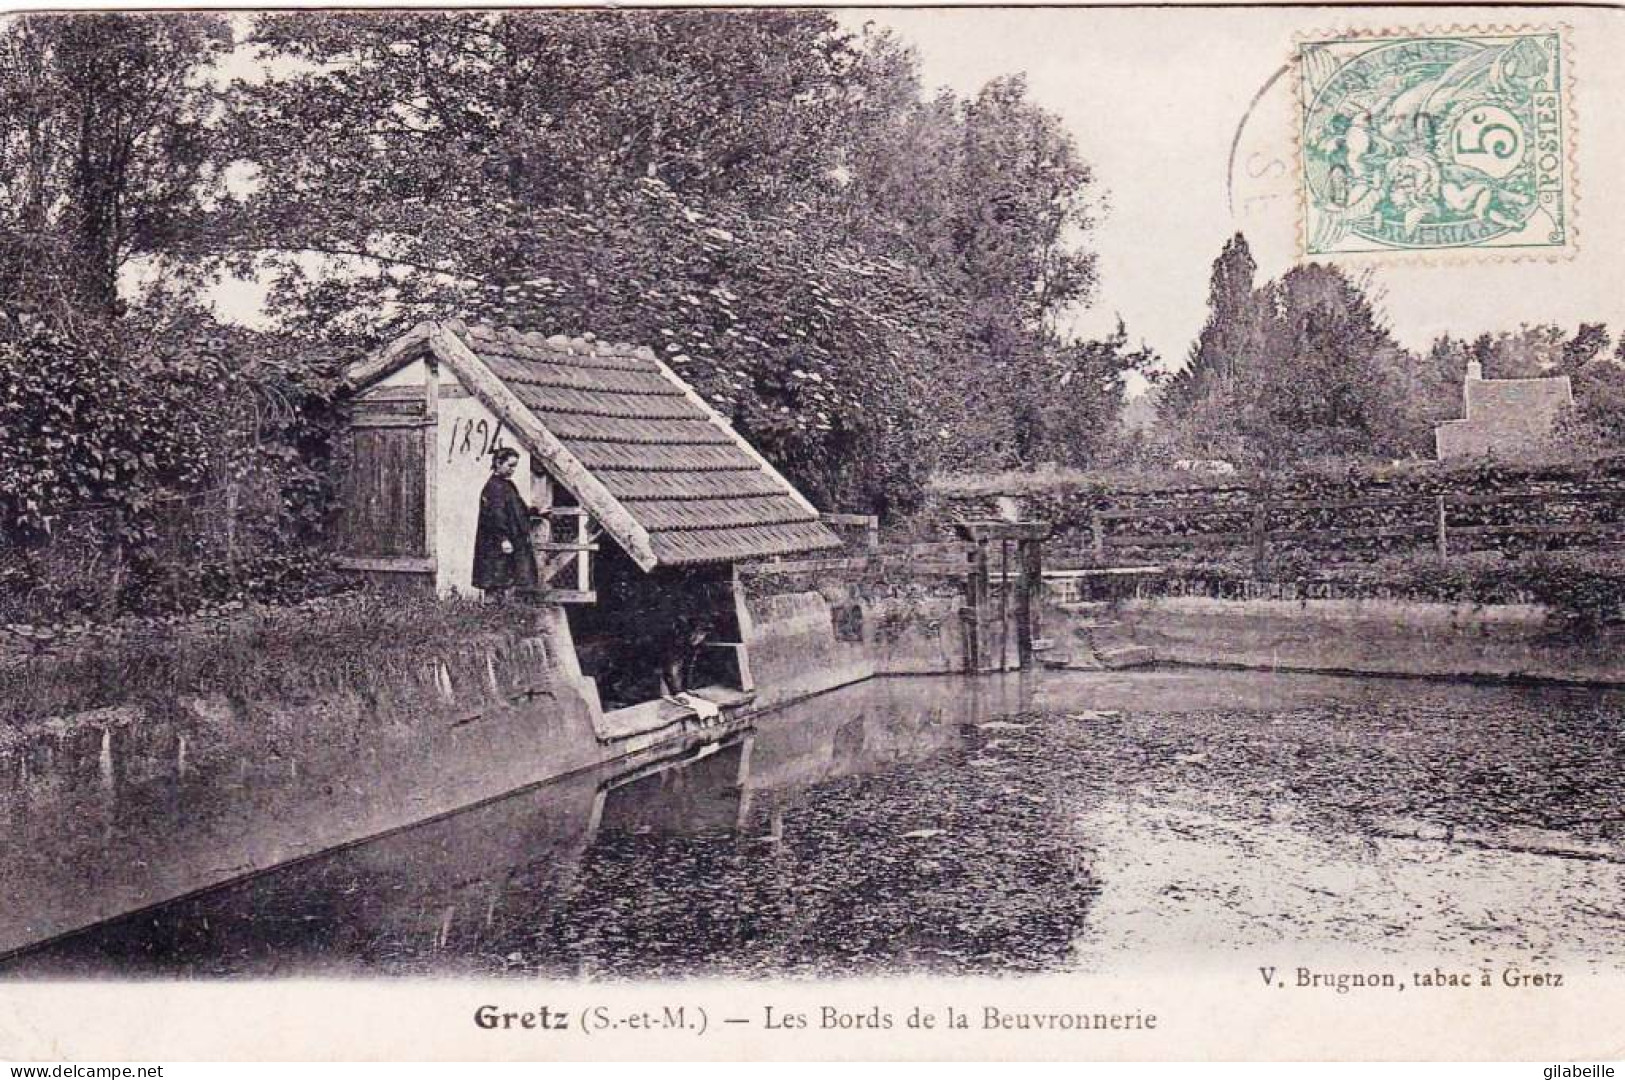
[503, 516]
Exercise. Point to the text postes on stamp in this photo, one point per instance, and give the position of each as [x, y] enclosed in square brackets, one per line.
[1434, 143]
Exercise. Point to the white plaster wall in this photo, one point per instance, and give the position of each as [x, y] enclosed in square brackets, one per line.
[468, 433]
[410, 375]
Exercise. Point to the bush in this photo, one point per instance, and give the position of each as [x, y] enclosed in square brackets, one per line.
[242, 650]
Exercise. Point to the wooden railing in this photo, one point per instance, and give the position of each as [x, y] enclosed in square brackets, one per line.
[1436, 530]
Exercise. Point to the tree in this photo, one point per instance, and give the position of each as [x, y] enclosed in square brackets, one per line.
[991, 197]
[723, 185]
[1230, 335]
[1302, 367]
[105, 149]
[1080, 404]
[1599, 390]
[1323, 384]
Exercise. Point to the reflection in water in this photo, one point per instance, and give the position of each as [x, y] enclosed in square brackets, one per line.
[993, 825]
[715, 860]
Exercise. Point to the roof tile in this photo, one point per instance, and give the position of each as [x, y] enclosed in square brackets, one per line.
[686, 479]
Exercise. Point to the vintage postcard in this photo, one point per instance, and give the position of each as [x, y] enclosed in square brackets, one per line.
[755, 533]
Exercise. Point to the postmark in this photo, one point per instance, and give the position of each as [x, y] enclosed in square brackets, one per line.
[1458, 141]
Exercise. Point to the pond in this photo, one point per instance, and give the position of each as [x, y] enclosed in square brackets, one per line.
[1071, 821]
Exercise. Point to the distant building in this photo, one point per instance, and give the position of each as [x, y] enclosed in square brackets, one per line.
[1509, 418]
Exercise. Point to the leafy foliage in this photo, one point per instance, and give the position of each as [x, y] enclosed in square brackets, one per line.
[105, 149]
[869, 283]
[79, 424]
[741, 190]
[1297, 369]
[182, 451]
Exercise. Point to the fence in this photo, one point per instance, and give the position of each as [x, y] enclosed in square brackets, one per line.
[1447, 522]
[82, 565]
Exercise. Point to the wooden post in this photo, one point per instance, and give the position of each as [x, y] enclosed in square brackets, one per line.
[231, 521]
[978, 605]
[1097, 529]
[1004, 604]
[1444, 543]
[583, 557]
[541, 528]
[1029, 600]
[431, 461]
[1260, 527]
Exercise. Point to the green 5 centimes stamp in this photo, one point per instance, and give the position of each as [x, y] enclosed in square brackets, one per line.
[1455, 141]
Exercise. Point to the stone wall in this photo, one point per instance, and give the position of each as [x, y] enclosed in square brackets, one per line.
[813, 631]
[1372, 636]
[119, 808]
[112, 810]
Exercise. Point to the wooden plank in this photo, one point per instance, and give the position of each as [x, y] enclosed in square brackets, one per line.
[383, 493]
[430, 393]
[947, 550]
[801, 566]
[1104, 571]
[1422, 528]
[562, 464]
[1351, 504]
[1029, 609]
[567, 596]
[387, 420]
[583, 559]
[980, 531]
[387, 564]
[1260, 526]
[1576, 529]
[976, 597]
[947, 570]
[379, 395]
[1283, 505]
[1172, 511]
[1493, 498]
[1193, 539]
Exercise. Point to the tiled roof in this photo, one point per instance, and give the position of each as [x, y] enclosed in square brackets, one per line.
[676, 468]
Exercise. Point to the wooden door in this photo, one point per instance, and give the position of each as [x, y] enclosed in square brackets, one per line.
[384, 491]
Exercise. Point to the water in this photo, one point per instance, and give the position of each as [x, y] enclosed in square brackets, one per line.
[1088, 821]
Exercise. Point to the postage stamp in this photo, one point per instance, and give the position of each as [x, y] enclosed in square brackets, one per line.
[1454, 141]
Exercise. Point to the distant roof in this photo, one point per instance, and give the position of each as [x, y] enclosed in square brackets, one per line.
[1508, 398]
[1506, 417]
[656, 466]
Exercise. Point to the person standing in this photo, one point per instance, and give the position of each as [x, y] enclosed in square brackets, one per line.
[503, 557]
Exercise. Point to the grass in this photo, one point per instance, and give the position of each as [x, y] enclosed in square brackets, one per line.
[259, 652]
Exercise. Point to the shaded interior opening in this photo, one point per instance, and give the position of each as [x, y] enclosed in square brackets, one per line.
[654, 634]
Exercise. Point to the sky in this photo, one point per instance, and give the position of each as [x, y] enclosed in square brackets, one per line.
[1155, 98]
